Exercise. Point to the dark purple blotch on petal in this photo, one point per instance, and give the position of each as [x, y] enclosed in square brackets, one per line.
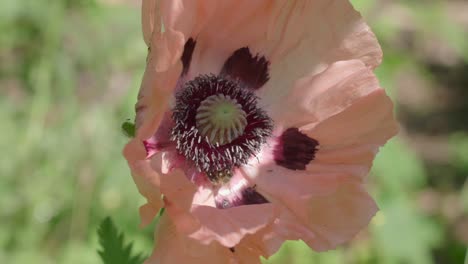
[295, 150]
[251, 70]
[187, 55]
[248, 196]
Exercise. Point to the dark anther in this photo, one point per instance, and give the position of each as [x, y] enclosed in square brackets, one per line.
[250, 70]
[295, 149]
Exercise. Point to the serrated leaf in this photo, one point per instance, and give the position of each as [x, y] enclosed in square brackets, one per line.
[114, 250]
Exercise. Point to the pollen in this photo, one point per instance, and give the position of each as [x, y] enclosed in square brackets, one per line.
[220, 119]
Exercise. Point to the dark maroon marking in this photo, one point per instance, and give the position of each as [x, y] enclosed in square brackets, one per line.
[233, 250]
[295, 149]
[248, 196]
[187, 55]
[250, 70]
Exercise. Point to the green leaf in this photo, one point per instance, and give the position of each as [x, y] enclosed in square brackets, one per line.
[114, 250]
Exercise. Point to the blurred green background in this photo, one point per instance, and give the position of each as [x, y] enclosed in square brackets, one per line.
[69, 75]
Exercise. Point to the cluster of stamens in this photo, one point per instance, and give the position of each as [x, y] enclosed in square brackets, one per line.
[218, 125]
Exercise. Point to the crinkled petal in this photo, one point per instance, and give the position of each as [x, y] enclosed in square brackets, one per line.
[147, 213]
[229, 226]
[368, 121]
[350, 116]
[352, 145]
[323, 209]
[305, 37]
[155, 91]
[334, 31]
[150, 19]
[219, 27]
[266, 242]
[194, 213]
[174, 247]
[232, 25]
[188, 17]
[146, 179]
[317, 97]
[346, 111]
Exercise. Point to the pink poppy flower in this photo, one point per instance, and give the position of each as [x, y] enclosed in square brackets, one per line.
[258, 122]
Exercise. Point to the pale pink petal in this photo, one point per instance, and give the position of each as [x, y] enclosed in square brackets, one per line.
[229, 226]
[174, 247]
[194, 213]
[187, 16]
[336, 218]
[317, 97]
[156, 89]
[334, 32]
[299, 183]
[346, 111]
[353, 145]
[286, 227]
[369, 121]
[323, 209]
[321, 31]
[147, 213]
[298, 37]
[268, 241]
[305, 37]
[164, 39]
[180, 20]
[150, 19]
[166, 50]
[232, 25]
[146, 179]
[350, 155]
[219, 28]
